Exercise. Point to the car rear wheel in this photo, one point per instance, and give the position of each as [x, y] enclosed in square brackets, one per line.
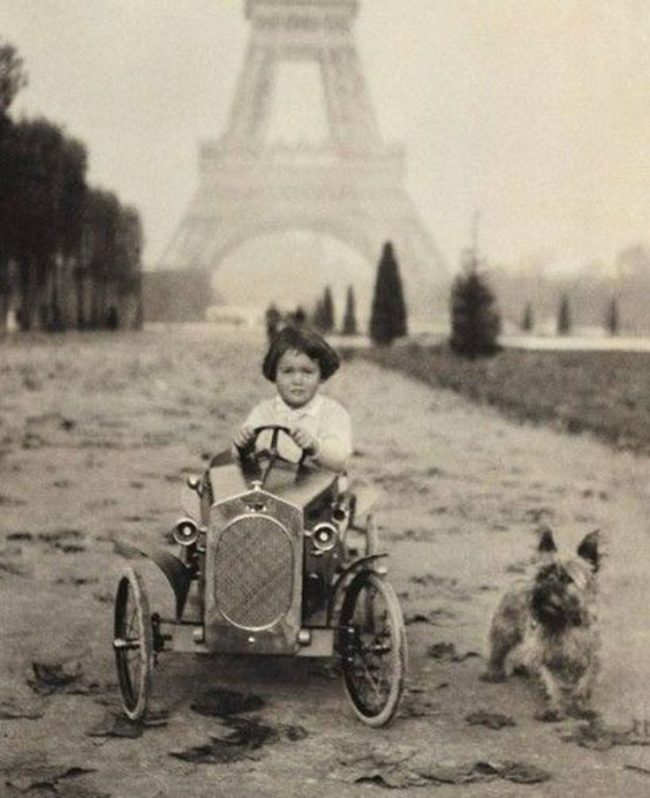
[133, 643]
[372, 645]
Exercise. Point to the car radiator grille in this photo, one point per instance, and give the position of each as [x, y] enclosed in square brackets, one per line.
[254, 571]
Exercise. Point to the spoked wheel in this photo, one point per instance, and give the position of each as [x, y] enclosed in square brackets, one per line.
[372, 646]
[133, 643]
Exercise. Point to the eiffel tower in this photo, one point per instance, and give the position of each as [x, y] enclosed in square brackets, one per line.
[351, 187]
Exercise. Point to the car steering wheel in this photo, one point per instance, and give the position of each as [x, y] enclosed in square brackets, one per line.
[265, 459]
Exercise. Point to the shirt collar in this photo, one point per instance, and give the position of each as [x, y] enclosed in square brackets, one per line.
[310, 409]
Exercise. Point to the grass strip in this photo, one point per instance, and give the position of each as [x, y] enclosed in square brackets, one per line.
[605, 393]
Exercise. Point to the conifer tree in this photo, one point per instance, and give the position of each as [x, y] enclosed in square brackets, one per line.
[328, 311]
[528, 318]
[564, 323]
[612, 321]
[388, 314]
[317, 315]
[350, 317]
[475, 319]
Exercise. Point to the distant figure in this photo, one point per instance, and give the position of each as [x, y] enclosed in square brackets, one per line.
[273, 319]
[297, 318]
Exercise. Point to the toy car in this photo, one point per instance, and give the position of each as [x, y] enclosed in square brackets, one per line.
[268, 565]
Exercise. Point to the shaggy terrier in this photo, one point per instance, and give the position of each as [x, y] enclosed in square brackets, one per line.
[551, 621]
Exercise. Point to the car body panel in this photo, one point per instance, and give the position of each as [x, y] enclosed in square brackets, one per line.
[253, 575]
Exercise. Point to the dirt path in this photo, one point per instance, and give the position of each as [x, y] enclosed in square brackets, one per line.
[96, 436]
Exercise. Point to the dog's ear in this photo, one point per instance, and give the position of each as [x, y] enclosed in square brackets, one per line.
[588, 549]
[546, 544]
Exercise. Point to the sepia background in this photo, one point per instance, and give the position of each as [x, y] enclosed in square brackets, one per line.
[534, 113]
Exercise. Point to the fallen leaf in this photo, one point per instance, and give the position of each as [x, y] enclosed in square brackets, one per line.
[492, 720]
[599, 737]
[447, 652]
[241, 739]
[29, 777]
[402, 767]
[14, 709]
[60, 677]
[20, 536]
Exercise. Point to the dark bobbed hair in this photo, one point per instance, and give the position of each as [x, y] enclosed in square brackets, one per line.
[300, 340]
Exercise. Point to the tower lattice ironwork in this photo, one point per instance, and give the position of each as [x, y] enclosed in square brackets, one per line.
[350, 187]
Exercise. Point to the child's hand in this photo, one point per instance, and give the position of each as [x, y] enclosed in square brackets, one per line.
[307, 442]
[244, 437]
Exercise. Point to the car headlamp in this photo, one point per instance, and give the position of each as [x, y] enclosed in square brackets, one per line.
[186, 532]
[324, 536]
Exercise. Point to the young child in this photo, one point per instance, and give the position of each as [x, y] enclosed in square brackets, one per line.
[298, 362]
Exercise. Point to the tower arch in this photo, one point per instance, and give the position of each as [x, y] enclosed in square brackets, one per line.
[350, 187]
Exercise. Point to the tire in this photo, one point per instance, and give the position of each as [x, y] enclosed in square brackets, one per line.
[133, 644]
[372, 646]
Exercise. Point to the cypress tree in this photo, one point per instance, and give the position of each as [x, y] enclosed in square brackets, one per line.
[475, 319]
[612, 320]
[328, 311]
[349, 317]
[528, 318]
[317, 315]
[388, 314]
[564, 316]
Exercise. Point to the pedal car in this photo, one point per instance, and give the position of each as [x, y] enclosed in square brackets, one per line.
[275, 558]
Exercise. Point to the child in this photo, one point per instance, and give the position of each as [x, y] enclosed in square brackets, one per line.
[298, 361]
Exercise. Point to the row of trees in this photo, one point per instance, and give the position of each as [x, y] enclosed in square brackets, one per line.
[323, 317]
[69, 253]
[476, 320]
[475, 317]
[564, 324]
[388, 318]
[591, 291]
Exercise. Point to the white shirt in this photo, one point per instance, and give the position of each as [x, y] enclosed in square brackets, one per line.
[324, 417]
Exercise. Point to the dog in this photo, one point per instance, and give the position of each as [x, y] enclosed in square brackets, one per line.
[552, 621]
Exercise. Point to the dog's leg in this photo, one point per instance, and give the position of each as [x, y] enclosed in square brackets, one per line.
[582, 692]
[504, 636]
[553, 711]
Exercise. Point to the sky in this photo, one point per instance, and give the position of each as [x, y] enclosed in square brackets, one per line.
[535, 113]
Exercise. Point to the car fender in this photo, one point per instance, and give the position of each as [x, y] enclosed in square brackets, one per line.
[367, 563]
[365, 498]
[176, 572]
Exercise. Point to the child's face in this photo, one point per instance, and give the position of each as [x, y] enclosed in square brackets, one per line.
[297, 378]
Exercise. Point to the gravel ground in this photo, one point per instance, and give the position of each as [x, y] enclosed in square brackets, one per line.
[97, 434]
